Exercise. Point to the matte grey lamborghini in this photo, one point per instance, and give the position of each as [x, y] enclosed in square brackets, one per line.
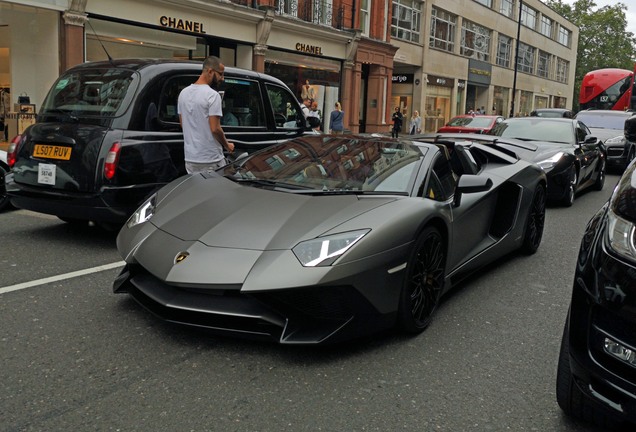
[324, 238]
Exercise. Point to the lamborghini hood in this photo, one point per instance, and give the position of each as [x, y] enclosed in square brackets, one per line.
[220, 213]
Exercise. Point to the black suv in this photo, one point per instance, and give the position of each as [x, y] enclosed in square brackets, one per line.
[609, 126]
[596, 375]
[108, 135]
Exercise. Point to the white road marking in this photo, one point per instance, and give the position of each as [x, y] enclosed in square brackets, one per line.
[57, 278]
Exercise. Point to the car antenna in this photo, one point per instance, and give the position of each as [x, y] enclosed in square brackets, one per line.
[110, 59]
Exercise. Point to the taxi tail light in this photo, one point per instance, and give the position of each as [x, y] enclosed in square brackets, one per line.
[112, 159]
[12, 150]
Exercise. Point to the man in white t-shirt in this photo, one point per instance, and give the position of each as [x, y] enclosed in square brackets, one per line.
[200, 112]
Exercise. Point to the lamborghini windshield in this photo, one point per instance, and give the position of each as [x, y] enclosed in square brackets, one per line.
[330, 164]
[89, 92]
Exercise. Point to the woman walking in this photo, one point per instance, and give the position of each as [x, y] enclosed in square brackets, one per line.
[415, 125]
[336, 120]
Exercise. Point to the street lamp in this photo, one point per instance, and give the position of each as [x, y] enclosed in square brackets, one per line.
[514, 80]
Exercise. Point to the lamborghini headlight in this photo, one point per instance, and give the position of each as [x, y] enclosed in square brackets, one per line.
[551, 162]
[144, 212]
[324, 251]
[621, 235]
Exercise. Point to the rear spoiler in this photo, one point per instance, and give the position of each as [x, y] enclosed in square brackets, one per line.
[502, 144]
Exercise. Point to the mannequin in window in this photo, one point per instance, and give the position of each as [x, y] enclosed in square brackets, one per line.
[307, 92]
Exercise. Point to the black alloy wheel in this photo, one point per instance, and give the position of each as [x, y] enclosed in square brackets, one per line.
[535, 223]
[600, 177]
[571, 189]
[424, 281]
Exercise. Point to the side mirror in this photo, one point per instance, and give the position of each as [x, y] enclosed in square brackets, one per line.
[590, 139]
[469, 183]
[630, 128]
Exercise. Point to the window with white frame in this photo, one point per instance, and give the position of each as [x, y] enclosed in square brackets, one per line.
[407, 19]
[504, 50]
[562, 70]
[443, 26]
[546, 26]
[365, 13]
[528, 16]
[507, 8]
[543, 64]
[525, 58]
[564, 36]
[475, 41]
[487, 3]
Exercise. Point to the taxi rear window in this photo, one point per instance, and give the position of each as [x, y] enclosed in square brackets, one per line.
[89, 92]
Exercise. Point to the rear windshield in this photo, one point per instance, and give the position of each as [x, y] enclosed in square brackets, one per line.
[475, 122]
[98, 92]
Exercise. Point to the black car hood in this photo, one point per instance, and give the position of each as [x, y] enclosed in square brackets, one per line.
[221, 213]
[604, 134]
[544, 150]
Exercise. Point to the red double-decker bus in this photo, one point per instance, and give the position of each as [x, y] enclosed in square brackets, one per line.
[608, 89]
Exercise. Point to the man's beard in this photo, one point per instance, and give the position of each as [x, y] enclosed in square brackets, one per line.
[216, 83]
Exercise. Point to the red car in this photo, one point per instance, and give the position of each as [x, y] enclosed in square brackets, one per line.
[469, 123]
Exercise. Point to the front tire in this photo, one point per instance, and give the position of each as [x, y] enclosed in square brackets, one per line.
[424, 282]
[570, 194]
[600, 179]
[535, 222]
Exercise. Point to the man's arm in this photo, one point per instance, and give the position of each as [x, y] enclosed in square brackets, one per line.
[217, 132]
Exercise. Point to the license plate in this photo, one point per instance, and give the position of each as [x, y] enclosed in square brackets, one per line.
[52, 152]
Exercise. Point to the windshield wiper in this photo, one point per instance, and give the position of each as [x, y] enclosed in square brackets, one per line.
[348, 192]
[265, 182]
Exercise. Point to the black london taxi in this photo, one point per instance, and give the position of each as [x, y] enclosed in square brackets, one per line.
[108, 135]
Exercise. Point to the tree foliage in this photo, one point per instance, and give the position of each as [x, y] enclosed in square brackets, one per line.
[604, 41]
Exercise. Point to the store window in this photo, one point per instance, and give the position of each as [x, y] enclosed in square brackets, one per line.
[540, 102]
[443, 26]
[504, 50]
[525, 58]
[559, 102]
[406, 21]
[118, 40]
[298, 71]
[543, 64]
[525, 103]
[438, 108]
[500, 101]
[528, 16]
[475, 41]
[507, 8]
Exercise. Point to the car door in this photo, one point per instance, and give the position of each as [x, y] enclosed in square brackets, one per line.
[470, 220]
[589, 152]
[289, 120]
